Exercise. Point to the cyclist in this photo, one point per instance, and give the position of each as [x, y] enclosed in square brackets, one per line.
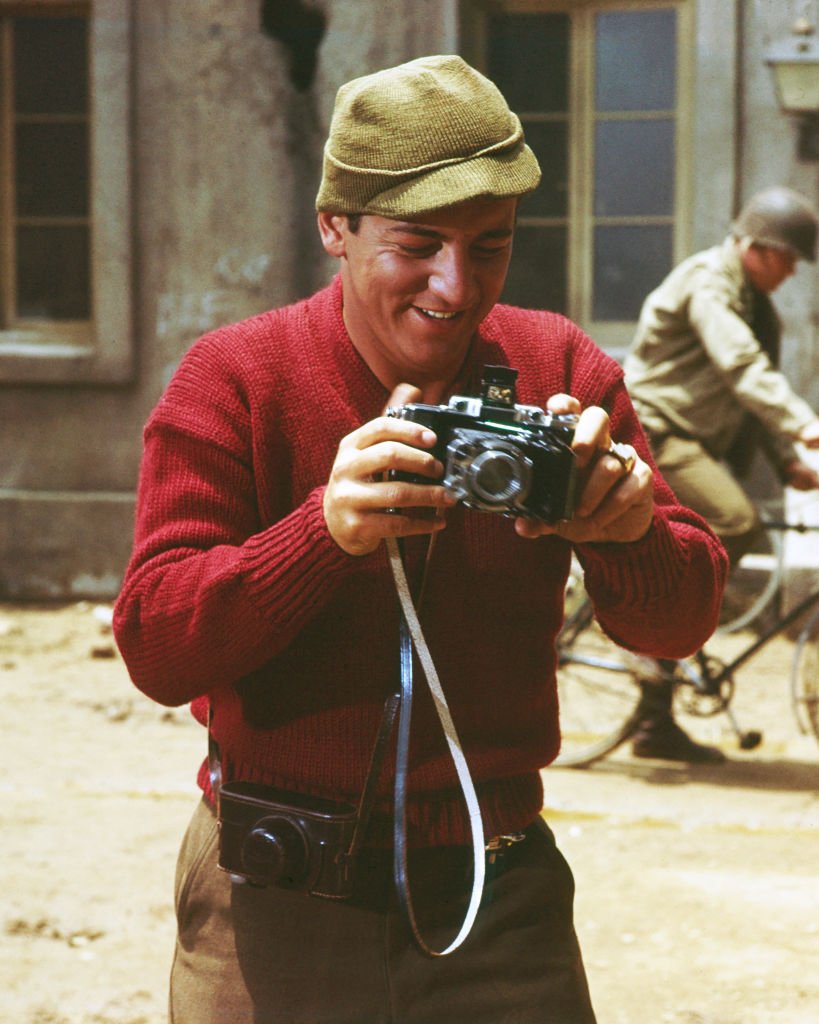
[702, 373]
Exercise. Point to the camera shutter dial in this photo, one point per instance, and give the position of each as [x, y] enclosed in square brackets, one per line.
[275, 851]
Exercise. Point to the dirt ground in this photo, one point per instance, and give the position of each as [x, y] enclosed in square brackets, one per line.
[697, 895]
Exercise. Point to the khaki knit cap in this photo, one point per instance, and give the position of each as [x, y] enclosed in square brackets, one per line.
[419, 137]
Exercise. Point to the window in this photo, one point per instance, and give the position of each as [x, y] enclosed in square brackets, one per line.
[529, 58]
[602, 93]
[45, 215]
[64, 226]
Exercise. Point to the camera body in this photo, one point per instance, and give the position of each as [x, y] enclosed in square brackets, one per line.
[269, 836]
[499, 456]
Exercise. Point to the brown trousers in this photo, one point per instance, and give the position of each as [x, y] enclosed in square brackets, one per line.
[246, 955]
[709, 488]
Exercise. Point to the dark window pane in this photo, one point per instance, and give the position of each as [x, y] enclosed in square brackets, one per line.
[53, 273]
[528, 60]
[52, 170]
[634, 168]
[50, 65]
[628, 263]
[537, 274]
[549, 142]
[636, 60]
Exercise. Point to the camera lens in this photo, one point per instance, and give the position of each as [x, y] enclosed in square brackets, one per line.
[498, 477]
[275, 851]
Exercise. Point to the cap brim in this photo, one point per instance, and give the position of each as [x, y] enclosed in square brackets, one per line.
[499, 176]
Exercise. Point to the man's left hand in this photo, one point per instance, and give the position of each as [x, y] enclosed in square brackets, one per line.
[615, 502]
[801, 476]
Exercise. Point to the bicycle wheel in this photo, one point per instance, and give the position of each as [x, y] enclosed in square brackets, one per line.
[753, 584]
[598, 695]
[805, 677]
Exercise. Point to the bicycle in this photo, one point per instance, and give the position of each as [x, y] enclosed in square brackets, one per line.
[599, 692]
[755, 582]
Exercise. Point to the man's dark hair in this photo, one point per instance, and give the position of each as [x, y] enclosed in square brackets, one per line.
[354, 222]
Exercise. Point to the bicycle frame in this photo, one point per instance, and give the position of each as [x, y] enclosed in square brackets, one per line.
[610, 713]
[779, 626]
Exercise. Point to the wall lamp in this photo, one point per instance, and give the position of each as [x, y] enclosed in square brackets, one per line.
[794, 63]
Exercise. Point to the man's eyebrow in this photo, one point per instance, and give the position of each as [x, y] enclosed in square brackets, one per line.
[407, 227]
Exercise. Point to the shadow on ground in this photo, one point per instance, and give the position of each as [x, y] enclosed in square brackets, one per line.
[781, 775]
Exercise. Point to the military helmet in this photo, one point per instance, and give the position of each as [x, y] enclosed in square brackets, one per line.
[780, 218]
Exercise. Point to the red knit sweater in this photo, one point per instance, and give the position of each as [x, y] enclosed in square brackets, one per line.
[236, 591]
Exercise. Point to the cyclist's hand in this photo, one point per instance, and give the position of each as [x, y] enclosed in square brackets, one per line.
[358, 495]
[801, 476]
[616, 499]
[810, 435]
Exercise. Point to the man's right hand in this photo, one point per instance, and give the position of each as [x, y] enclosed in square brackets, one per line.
[809, 436]
[359, 492]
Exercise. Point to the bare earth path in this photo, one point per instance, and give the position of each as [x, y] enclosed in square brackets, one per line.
[698, 900]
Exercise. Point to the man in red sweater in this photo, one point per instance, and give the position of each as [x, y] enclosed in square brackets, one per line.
[260, 590]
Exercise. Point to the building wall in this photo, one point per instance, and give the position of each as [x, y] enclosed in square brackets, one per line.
[769, 156]
[766, 154]
[225, 163]
[226, 141]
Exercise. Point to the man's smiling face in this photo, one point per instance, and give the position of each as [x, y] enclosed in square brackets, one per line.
[415, 291]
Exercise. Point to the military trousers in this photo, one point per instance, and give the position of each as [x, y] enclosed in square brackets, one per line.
[708, 486]
[250, 955]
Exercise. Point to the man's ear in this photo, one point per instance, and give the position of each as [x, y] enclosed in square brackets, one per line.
[333, 230]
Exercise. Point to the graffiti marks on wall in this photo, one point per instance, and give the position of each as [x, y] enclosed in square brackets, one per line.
[239, 279]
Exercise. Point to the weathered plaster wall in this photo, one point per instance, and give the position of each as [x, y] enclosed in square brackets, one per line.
[226, 161]
[769, 156]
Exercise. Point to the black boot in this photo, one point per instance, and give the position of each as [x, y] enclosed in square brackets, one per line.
[659, 736]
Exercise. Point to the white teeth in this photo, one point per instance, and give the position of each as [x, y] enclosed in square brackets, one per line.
[436, 314]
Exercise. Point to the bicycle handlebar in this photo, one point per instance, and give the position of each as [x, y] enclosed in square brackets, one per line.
[774, 524]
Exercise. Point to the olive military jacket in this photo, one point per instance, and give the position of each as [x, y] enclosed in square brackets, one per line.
[703, 361]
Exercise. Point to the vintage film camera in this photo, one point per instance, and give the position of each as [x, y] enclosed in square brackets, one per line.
[499, 456]
[272, 837]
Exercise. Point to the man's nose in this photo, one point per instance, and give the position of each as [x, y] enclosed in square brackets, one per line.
[453, 277]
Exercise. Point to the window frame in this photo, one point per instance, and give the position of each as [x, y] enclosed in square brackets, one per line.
[99, 350]
[612, 335]
[617, 334]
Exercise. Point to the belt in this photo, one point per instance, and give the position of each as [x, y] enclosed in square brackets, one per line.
[497, 846]
[495, 851]
[438, 872]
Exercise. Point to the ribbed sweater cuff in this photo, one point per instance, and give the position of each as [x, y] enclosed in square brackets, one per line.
[639, 573]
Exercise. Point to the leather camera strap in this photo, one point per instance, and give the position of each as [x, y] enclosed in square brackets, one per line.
[412, 636]
[367, 799]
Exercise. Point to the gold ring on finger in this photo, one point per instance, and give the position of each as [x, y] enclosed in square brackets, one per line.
[624, 454]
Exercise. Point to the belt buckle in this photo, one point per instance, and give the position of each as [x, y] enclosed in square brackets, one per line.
[498, 845]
